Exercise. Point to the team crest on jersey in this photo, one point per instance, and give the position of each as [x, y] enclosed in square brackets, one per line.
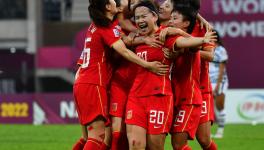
[118, 27]
[114, 107]
[129, 114]
[116, 32]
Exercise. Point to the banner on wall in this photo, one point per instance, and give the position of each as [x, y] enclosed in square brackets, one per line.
[16, 109]
[245, 106]
[241, 26]
[56, 108]
[241, 106]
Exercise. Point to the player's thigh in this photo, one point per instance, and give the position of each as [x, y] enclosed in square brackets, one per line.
[117, 123]
[136, 136]
[203, 133]
[96, 129]
[156, 141]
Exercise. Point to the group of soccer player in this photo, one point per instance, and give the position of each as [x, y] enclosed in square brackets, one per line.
[132, 98]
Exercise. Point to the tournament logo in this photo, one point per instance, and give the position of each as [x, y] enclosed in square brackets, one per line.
[116, 32]
[252, 107]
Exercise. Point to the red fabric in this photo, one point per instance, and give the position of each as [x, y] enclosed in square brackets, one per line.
[121, 83]
[79, 145]
[104, 147]
[205, 84]
[207, 113]
[184, 147]
[115, 140]
[186, 79]
[92, 144]
[212, 146]
[147, 83]
[119, 141]
[186, 119]
[94, 68]
[90, 101]
[154, 113]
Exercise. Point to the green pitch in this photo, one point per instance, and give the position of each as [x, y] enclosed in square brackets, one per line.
[62, 137]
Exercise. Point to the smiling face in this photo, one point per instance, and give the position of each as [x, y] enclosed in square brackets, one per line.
[177, 20]
[165, 10]
[145, 20]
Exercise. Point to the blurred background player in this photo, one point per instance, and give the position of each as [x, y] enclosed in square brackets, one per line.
[219, 79]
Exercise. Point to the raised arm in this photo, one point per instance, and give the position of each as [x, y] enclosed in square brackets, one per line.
[204, 23]
[188, 42]
[156, 67]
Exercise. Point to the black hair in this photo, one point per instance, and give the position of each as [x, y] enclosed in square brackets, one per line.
[188, 13]
[219, 40]
[195, 4]
[147, 3]
[118, 3]
[97, 12]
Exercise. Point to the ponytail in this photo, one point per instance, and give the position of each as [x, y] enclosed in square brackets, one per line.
[97, 12]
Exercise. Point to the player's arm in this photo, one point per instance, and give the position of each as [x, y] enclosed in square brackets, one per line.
[204, 23]
[152, 41]
[189, 42]
[156, 67]
[125, 22]
[222, 67]
[169, 31]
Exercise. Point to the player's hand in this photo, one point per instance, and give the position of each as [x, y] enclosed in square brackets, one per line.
[210, 37]
[171, 31]
[158, 68]
[153, 41]
[206, 24]
[167, 53]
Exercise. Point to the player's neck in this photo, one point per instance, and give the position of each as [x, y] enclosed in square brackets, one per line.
[155, 29]
[109, 15]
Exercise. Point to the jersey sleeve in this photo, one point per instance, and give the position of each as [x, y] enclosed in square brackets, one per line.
[170, 42]
[111, 35]
[220, 54]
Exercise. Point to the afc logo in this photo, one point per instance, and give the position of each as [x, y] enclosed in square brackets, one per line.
[142, 55]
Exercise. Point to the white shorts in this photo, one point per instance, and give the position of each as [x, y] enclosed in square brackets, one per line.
[222, 88]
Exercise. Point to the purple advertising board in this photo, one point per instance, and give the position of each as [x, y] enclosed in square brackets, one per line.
[57, 108]
[241, 24]
[16, 109]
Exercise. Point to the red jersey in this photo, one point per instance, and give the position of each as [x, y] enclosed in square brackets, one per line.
[205, 83]
[147, 83]
[94, 69]
[186, 77]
